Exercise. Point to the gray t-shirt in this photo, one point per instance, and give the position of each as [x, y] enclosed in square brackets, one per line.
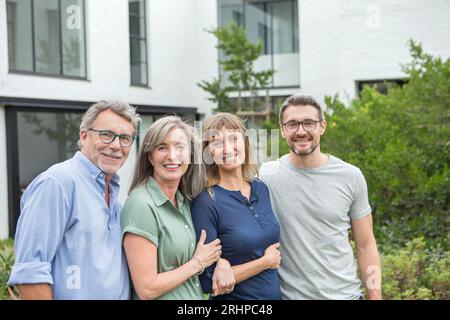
[315, 208]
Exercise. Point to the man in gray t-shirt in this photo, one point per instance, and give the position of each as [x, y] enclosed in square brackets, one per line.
[317, 198]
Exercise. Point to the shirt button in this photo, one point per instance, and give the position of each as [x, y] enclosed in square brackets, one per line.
[196, 284]
[192, 244]
[186, 226]
[256, 216]
[251, 208]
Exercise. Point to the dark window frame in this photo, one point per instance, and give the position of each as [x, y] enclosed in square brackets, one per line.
[139, 38]
[61, 67]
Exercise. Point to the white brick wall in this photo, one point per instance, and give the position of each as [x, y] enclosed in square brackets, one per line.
[342, 41]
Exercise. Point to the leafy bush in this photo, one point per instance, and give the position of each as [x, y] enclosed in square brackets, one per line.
[414, 273]
[400, 141]
[6, 264]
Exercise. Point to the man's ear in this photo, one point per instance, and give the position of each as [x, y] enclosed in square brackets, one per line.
[323, 126]
[83, 137]
[282, 131]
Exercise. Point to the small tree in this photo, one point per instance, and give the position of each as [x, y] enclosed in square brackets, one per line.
[238, 65]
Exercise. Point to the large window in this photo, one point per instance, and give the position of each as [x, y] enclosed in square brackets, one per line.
[138, 43]
[47, 37]
[275, 24]
[36, 140]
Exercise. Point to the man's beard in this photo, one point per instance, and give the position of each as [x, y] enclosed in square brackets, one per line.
[303, 153]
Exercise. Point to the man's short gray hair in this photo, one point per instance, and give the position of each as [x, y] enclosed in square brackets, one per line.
[298, 99]
[120, 108]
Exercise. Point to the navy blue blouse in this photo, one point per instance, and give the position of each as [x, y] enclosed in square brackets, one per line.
[246, 229]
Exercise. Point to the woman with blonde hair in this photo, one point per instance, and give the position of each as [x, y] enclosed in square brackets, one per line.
[157, 230]
[235, 208]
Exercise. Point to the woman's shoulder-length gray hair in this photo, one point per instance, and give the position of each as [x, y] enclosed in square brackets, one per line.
[193, 181]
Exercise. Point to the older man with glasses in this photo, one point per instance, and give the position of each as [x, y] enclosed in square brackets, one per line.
[68, 238]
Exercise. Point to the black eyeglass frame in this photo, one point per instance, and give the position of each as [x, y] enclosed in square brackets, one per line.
[302, 124]
[114, 136]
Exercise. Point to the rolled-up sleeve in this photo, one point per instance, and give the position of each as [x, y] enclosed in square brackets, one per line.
[45, 210]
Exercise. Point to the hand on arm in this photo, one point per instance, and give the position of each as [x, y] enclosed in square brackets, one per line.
[223, 280]
[270, 260]
[242, 272]
[207, 254]
[272, 256]
[368, 257]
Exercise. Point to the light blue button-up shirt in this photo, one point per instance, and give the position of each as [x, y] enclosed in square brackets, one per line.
[68, 237]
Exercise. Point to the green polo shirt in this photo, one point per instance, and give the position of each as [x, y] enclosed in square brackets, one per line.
[149, 213]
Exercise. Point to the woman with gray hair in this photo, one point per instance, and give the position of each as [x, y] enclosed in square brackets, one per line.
[157, 230]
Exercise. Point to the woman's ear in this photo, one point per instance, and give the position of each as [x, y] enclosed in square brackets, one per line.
[149, 158]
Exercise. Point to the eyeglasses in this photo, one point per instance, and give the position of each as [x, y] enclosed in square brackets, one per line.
[308, 125]
[108, 137]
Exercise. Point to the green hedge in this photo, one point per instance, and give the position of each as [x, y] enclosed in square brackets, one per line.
[400, 141]
[6, 264]
[414, 272]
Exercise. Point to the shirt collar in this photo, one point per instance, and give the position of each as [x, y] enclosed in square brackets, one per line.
[239, 196]
[158, 196]
[92, 169]
[254, 190]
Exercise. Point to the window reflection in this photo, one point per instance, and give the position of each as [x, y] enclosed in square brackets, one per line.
[138, 42]
[72, 29]
[45, 138]
[46, 36]
[20, 43]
